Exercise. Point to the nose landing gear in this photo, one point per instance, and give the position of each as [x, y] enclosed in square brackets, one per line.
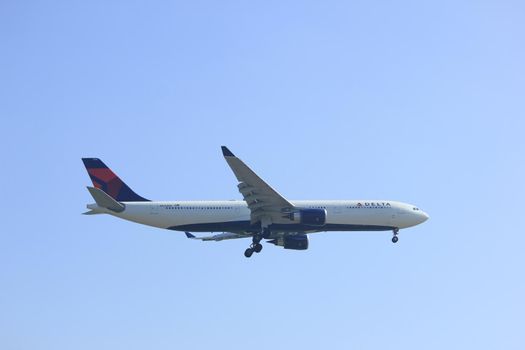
[395, 238]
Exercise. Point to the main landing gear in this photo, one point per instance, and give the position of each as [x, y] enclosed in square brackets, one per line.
[256, 245]
[254, 248]
[395, 238]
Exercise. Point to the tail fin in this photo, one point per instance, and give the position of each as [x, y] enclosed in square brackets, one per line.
[106, 180]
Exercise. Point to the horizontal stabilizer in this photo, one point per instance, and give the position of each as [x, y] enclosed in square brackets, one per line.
[105, 201]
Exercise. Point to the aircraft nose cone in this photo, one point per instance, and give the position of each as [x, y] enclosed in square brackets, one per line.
[424, 216]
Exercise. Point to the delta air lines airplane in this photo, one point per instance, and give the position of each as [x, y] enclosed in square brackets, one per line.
[262, 214]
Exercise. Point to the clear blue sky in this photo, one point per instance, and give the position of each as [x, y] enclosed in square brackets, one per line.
[421, 102]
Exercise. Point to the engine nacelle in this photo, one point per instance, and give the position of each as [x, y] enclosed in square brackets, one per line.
[311, 217]
[296, 242]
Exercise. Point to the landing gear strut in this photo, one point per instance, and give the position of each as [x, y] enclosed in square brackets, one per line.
[256, 245]
[395, 238]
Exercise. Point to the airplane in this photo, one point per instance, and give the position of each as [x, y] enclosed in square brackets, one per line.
[262, 214]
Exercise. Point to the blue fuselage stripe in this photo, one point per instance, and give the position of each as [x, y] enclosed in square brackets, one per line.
[245, 226]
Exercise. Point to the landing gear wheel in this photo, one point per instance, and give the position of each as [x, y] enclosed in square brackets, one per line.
[258, 247]
[248, 252]
[395, 239]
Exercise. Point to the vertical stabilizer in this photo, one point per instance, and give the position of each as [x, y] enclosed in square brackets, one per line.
[106, 180]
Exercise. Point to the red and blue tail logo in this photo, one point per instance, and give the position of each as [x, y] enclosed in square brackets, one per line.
[106, 180]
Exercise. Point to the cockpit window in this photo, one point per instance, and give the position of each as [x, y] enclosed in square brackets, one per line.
[415, 209]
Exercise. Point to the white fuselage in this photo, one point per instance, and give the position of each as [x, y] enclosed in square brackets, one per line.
[234, 215]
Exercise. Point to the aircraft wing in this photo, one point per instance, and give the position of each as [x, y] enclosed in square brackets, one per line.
[218, 237]
[265, 203]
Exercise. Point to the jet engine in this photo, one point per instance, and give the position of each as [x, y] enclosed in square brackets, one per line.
[296, 242]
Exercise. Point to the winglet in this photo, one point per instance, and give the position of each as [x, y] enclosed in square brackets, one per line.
[189, 235]
[226, 152]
